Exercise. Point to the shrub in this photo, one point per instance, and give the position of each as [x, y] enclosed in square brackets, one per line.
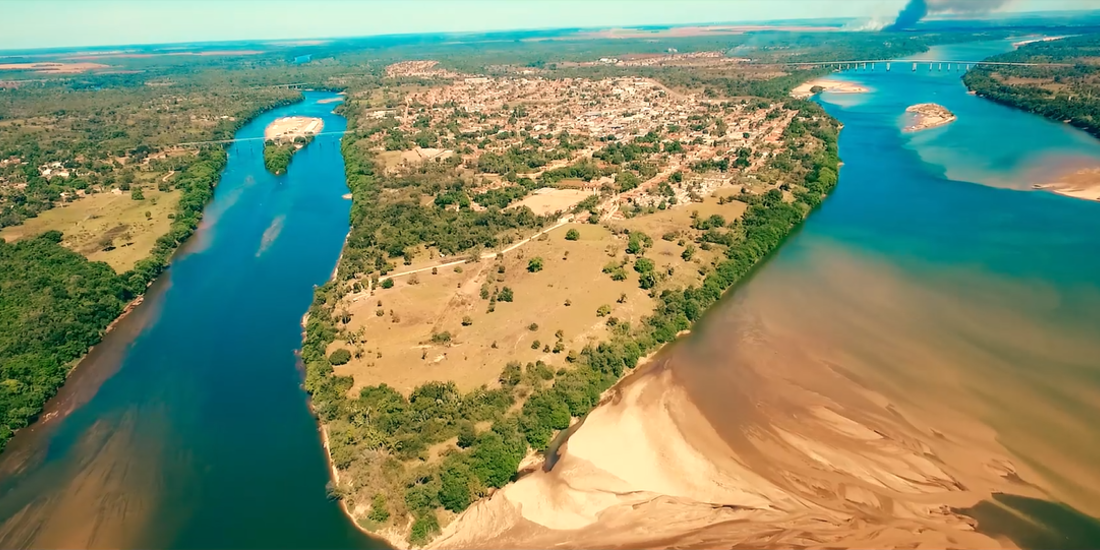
[379, 312]
[688, 253]
[386, 283]
[533, 327]
[441, 337]
[467, 434]
[467, 321]
[379, 512]
[535, 264]
[643, 265]
[340, 357]
[536, 344]
[572, 235]
[505, 295]
[603, 311]
[423, 528]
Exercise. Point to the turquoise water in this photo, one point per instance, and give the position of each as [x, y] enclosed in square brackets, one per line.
[188, 427]
[936, 277]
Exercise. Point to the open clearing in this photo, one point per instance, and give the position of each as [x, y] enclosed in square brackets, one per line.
[572, 270]
[549, 200]
[89, 223]
[52, 67]
[397, 324]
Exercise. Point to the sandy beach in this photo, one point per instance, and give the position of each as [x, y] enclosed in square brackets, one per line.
[810, 458]
[808, 89]
[1080, 184]
[288, 128]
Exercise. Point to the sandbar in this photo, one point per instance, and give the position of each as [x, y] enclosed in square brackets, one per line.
[928, 115]
[1081, 184]
[808, 89]
[288, 128]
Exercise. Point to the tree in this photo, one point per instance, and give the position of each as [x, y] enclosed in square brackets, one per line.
[688, 253]
[511, 374]
[572, 235]
[455, 480]
[136, 194]
[643, 265]
[535, 264]
[467, 321]
[339, 357]
[467, 433]
[386, 283]
[505, 295]
[603, 311]
[379, 511]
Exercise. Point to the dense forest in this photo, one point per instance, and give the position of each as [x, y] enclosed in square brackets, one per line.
[1069, 93]
[382, 436]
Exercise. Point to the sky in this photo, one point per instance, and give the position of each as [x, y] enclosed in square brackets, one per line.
[68, 23]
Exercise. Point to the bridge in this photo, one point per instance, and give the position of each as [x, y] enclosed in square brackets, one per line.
[933, 64]
[261, 138]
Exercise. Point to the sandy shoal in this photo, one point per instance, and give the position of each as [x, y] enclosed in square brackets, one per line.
[1080, 184]
[803, 91]
[646, 469]
[291, 127]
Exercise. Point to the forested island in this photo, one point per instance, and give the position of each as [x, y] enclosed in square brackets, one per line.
[1069, 93]
[284, 137]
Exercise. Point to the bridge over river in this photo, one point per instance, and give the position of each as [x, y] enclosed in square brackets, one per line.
[933, 64]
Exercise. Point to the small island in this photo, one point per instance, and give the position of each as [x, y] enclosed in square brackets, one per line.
[928, 115]
[283, 138]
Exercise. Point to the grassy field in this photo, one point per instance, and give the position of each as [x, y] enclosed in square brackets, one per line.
[107, 227]
[396, 325]
[412, 313]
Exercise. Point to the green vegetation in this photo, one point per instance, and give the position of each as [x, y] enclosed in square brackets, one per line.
[55, 304]
[277, 156]
[385, 437]
[1062, 93]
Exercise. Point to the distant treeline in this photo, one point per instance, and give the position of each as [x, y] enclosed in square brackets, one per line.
[1069, 93]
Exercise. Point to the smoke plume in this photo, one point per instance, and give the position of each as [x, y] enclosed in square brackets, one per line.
[916, 10]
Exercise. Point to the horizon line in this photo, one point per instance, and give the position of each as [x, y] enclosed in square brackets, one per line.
[6, 52]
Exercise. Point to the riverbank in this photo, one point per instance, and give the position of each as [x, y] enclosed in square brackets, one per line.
[647, 469]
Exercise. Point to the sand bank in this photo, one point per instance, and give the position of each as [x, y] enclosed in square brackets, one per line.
[806, 455]
[1079, 184]
[819, 85]
[928, 115]
[288, 128]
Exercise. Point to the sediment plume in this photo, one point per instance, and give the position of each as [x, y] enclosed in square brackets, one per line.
[812, 415]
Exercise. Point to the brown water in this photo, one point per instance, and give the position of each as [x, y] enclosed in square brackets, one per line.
[960, 318]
